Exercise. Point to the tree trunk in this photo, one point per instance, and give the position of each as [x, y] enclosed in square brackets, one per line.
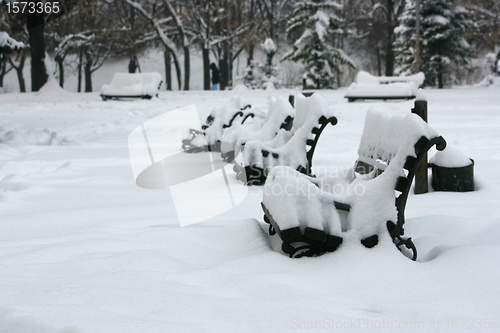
[223, 68]
[132, 64]
[379, 61]
[389, 56]
[230, 69]
[60, 61]
[19, 69]
[35, 24]
[20, 78]
[177, 70]
[3, 69]
[19, 72]
[88, 72]
[168, 69]
[440, 76]
[80, 64]
[206, 68]
[223, 73]
[497, 61]
[187, 68]
[250, 54]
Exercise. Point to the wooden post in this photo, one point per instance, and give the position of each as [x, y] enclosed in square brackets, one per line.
[421, 176]
[291, 99]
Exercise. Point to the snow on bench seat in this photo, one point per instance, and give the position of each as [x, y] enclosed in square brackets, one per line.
[132, 85]
[368, 86]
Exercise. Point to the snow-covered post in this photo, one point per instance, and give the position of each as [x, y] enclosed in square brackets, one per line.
[421, 177]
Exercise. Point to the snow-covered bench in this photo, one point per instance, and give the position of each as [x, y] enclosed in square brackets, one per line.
[220, 119]
[368, 86]
[279, 117]
[297, 152]
[311, 214]
[136, 85]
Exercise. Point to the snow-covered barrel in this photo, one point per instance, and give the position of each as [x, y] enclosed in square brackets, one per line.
[452, 171]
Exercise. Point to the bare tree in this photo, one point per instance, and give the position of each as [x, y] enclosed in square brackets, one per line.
[8, 47]
[159, 25]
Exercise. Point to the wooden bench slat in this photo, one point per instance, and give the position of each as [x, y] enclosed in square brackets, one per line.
[314, 234]
[342, 206]
[290, 234]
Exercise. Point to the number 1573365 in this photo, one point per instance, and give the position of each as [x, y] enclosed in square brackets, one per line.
[32, 7]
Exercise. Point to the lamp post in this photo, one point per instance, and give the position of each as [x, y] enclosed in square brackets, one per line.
[421, 176]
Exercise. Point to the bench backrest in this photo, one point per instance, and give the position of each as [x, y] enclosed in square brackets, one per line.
[298, 151]
[392, 140]
[386, 136]
[395, 145]
[281, 115]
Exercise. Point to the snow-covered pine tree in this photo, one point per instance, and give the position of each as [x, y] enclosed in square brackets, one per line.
[250, 79]
[442, 26]
[318, 25]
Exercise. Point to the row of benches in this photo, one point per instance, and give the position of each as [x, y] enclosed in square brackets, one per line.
[282, 151]
[390, 151]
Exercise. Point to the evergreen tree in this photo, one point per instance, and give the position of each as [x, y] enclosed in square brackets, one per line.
[319, 25]
[250, 79]
[442, 26]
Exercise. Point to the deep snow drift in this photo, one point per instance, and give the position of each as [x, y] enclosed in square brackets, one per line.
[83, 249]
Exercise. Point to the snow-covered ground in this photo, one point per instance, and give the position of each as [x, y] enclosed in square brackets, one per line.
[83, 249]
